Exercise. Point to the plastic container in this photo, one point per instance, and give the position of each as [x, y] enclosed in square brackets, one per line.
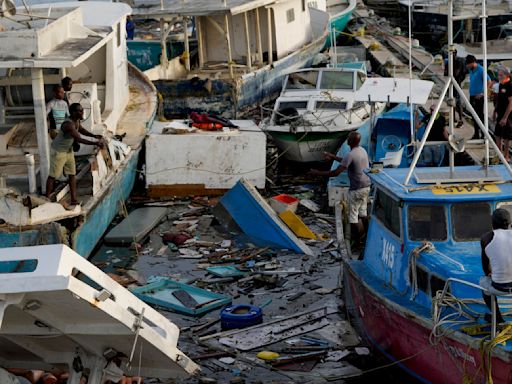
[281, 203]
[240, 316]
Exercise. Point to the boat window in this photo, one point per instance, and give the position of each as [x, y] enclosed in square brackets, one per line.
[427, 222]
[330, 105]
[290, 15]
[422, 279]
[470, 221]
[387, 211]
[337, 80]
[436, 284]
[293, 104]
[359, 80]
[302, 80]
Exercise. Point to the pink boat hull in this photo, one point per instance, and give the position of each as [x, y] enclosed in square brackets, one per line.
[400, 335]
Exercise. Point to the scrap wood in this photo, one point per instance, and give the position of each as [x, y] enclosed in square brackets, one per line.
[204, 326]
[298, 358]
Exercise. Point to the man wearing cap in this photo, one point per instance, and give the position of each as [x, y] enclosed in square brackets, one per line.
[497, 259]
[476, 90]
[502, 110]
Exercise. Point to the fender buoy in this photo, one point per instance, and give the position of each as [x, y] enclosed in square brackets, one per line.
[208, 126]
[240, 316]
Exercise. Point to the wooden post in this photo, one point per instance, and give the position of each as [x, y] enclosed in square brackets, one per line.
[269, 28]
[228, 41]
[248, 41]
[187, 47]
[258, 36]
[199, 32]
[43, 142]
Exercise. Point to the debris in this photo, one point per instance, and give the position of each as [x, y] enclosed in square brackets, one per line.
[122, 280]
[283, 202]
[298, 358]
[295, 296]
[258, 220]
[362, 351]
[175, 238]
[324, 291]
[240, 316]
[162, 293]
[136, 226]
[207, 380]
[274, 331]
[310, 204]
[225, 271]
[227, 360]
[136, 277]
[267, 355]
[205, 326]
[298, 227]
[210, 355]
[190, 253]
[337, 355]
[162, 250]
[226, 244]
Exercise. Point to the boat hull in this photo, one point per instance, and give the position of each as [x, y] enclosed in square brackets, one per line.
[307, 147]
[233, 98]
[87, 234]
[404, 338]
[338, 22]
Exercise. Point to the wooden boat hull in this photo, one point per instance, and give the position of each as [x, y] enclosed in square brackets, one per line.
[234, 98]
[307, 147]
[403, 337]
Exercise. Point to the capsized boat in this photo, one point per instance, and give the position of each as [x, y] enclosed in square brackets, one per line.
[86, 41]
[60, 312]
[317, 110]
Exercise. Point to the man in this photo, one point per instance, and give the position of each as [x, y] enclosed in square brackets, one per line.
[67, 84]
[355, 163]
[130, 28]
[62, 157]
[459, 73]
[501, 114]
[497, 259]
[476, 91]
[57, 110]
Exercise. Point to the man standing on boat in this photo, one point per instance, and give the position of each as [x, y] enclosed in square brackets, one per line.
[497, 259]
[355, 163]
[476, 91]
[502, 110]
[62, 157]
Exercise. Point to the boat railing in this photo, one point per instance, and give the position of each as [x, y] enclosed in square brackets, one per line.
[447, 289]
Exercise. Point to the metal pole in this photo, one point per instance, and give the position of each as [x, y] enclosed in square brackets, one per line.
[427, 131]
[450, 75]
[269, 36]
[258, 36]
[187, 45]
[482, 127]
[247, 41]
[228, 42]
[43, 142]
[411, 113]
[486, 105]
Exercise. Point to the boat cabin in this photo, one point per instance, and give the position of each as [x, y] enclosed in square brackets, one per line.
[318, 90]
[422, 234]
[235, 36]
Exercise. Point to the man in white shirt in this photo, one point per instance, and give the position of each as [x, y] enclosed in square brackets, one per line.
[497, 259]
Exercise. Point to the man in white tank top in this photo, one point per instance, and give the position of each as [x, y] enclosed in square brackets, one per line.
[497, 259]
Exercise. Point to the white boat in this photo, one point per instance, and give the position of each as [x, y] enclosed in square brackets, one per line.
[39, 46]
[60, 312]
[316, 111]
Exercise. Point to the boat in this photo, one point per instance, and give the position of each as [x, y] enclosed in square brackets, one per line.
[83, 40]
[340, 13]
[414, 290]
[244, 49]
[316, 111]
[59, 312]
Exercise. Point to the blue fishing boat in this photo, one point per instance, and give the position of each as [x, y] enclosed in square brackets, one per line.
[119, 103]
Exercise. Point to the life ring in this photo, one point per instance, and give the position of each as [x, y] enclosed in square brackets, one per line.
[240, 316]
[208, 126]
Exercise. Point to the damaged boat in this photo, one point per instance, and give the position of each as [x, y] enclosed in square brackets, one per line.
[59, 312]
[85, 41]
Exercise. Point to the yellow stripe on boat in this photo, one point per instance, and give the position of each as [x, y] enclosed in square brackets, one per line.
[466, 189]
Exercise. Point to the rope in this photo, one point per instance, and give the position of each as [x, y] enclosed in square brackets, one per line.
[487, 347]
[413, 276]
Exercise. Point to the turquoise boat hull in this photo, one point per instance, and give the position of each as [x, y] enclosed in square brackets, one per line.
[339, 22]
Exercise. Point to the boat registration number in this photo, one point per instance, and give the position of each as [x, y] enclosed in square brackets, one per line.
[466, 189]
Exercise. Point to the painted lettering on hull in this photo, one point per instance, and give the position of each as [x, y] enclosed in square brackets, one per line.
[466, 189]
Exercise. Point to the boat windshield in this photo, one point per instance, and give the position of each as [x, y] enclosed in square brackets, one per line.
[302, 80]
[470, 220]
[427, 222]
[337, 80]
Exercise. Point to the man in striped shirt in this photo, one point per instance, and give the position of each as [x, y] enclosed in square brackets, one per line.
[57, 110]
